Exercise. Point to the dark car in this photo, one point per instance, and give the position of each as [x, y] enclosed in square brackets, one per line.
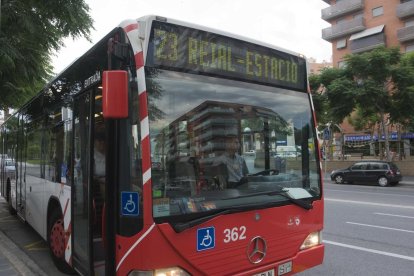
[381, 172]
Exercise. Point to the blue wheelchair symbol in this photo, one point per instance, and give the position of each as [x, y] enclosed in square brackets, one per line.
[206, 238]
[129, 203]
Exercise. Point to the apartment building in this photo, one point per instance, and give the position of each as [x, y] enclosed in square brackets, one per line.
[362, 25]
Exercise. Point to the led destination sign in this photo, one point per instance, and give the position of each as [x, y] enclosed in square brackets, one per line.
[186, 49]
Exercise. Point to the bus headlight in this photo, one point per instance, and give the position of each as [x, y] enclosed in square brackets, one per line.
[172, 271]
[311, 240]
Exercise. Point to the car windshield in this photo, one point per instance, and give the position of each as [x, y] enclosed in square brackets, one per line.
[214, 144]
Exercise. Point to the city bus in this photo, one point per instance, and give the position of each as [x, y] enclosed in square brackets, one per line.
[119, 161]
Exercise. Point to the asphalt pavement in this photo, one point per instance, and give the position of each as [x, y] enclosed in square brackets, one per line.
[14, 261]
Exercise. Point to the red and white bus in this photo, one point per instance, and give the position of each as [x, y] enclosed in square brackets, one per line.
[123, 162]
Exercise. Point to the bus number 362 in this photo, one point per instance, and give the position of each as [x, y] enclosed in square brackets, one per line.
[234, 234]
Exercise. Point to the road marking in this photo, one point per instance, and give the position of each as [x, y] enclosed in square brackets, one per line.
[370, 193]
[370, 203]
[381, 227]
[33, 246]
[370, 250]
[392, 215]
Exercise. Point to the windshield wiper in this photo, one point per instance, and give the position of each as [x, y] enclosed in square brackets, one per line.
[181, 226]
[301, 203]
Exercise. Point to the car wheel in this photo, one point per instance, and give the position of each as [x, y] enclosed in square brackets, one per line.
[339, 179]
[383, 181]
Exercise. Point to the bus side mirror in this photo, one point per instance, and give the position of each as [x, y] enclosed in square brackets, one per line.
[115, 94]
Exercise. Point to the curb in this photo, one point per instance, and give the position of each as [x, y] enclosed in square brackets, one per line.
[17, 258]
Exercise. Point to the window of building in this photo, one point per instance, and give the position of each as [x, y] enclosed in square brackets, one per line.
[358, 15]
[341, 64]
[409, 23]
[378, 11]
[409, 48]
[340, 44]
[340, 20]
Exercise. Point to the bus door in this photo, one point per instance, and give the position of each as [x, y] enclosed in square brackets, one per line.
[81, 204]
[21, 170]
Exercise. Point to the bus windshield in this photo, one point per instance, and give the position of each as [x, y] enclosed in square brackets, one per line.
[218, 144]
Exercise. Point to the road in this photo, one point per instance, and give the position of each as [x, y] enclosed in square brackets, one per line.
[369, 230]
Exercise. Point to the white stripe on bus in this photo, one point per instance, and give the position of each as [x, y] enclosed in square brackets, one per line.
[135, 245]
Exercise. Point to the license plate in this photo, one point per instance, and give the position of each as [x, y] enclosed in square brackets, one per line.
[285, 268]
[266, 273]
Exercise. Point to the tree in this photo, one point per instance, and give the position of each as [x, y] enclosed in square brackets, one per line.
[378, 85]
[372, 73]
[30, 32]
[376, 88]
[319, 99]
[328, 117]
[403, 98]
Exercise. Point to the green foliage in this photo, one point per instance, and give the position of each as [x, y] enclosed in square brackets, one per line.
[318, 98]
[332, 95]
[373, 86]
[364, 119]
[403, 97]
[30, 32]
[377, 82]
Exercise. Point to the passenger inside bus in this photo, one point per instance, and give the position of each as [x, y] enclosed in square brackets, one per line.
[236, 168]
[99, 179]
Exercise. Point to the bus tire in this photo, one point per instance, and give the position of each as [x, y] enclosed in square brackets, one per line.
[12, 211]
[56, 242]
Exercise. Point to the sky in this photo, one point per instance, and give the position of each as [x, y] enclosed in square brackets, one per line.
[295, 25]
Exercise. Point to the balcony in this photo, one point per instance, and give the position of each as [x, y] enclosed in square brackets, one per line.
[368, 39]
[342, 8]
[405, 34]
[405, 10]
[343, 28]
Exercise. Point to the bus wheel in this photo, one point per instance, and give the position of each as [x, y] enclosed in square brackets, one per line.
[56, 242]
[12, 211]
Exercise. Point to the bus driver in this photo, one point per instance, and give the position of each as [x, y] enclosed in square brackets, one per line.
[234, 162]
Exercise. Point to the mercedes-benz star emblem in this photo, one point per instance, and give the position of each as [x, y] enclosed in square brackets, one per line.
[256, 251]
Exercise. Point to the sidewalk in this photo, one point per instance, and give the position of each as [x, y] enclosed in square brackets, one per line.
[13, 261]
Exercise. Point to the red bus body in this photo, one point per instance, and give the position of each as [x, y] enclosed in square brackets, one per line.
[164, 248]
[283, 229]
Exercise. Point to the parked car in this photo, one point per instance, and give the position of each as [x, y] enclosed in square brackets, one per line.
[250, 153]
[9, 168]
[381, 172]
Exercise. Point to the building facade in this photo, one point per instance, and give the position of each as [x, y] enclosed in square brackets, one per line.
[362, 25]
